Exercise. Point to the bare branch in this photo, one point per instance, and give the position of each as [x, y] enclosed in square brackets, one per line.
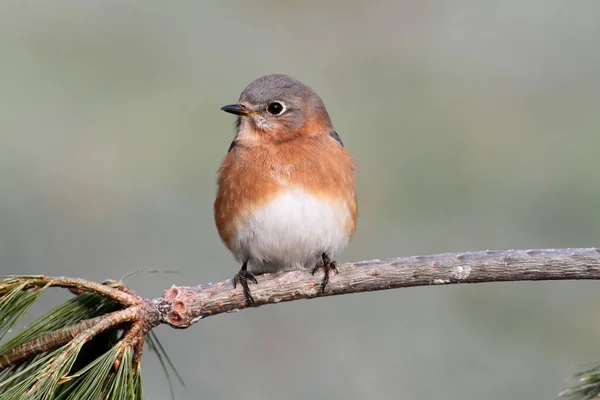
[182, 306]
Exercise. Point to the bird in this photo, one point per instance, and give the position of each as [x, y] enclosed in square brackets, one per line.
[286, 196]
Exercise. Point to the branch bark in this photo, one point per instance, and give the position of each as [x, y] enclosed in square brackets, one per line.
[182, 306]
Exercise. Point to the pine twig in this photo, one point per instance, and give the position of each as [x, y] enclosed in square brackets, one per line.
[46, 342]
[120, 295]
[182, 306]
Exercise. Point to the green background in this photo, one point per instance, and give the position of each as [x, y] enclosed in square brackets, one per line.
[474, 125]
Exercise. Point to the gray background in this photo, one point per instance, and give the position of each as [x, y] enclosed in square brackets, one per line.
[474, 125]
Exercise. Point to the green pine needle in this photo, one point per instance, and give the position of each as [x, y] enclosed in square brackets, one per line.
[156, 346]
[90, 381]
[17, 381]
[588, 387]
[84, 306]
[65, 372]
[50, 378]
[15, 301]
[122, 384]
[164, 360]
[48, 381]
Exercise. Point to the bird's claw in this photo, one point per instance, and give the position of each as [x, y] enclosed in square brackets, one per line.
[242, 277]
[327, 265]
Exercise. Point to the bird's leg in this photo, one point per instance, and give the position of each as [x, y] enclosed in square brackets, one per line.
[327, 265]
[242, 278]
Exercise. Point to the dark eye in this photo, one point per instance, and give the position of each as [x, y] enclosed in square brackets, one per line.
[276, 108]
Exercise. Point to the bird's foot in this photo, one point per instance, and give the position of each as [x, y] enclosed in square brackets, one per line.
[242, 278]
[327, 265]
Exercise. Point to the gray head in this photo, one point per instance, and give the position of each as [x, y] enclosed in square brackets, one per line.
[281, 107]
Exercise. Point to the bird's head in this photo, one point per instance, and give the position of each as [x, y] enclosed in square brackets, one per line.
[277, 108]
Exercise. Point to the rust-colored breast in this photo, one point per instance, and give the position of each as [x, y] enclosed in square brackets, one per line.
[252, 175]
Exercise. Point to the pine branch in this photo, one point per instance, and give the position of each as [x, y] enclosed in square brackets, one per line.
[109, 289]
[45, 342]
[182, 306]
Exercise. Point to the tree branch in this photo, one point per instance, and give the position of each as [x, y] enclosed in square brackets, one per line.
[182, 306]
[46, 342]
[109, 289]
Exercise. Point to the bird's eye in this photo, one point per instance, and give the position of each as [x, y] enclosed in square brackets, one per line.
[276, 108]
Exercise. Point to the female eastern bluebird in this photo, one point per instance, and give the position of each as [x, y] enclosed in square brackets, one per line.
[286, 195]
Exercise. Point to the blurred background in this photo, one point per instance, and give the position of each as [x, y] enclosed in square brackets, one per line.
[474, 126]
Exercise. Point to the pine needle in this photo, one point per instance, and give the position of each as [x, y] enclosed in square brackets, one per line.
[90, 381]
[164, 360]
[18, 380]
[84, 306]
[160, 350]
[588, 387]
[122, 384]
[65, 372]
[15, 301]
[40, 377]
[47, 382]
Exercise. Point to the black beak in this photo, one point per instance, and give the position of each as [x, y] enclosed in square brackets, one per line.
[237, 109]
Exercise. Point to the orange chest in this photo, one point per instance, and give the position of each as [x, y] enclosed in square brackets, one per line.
[252, 178]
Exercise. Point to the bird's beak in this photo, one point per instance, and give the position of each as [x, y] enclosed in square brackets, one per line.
[237, 109]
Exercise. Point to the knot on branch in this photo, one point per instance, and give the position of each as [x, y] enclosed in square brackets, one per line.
[176, 307]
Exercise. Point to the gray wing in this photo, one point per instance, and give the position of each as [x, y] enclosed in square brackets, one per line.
[231, 146]
[336, 137]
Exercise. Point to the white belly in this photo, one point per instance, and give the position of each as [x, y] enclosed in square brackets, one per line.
[291, 232]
